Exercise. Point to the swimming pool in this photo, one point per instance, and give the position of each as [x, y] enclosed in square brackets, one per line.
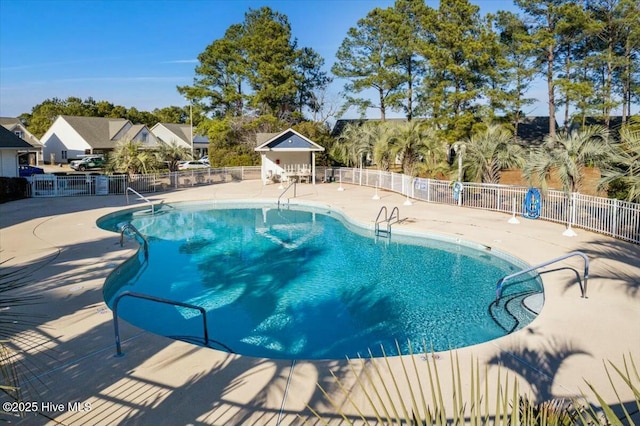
[305, 283]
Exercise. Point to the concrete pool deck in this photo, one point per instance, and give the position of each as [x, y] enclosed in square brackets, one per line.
[69, 350]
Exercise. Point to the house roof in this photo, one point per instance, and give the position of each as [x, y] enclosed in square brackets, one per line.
[12, 124]
[98, 132]
[534, 128]
[9, 121]
[183, 132]
[289, 140]
[338, 128]
[10, 140]
[530, 129]
[615, 124]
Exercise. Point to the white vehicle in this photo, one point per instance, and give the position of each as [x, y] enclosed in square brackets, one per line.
[193, 164]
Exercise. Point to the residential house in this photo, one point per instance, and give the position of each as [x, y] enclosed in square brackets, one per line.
[615, 124]
[181, 134]
[32, 156]
[11, 146]
[71, 137]
[533, 129]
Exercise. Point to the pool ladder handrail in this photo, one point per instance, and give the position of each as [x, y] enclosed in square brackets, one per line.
[145, 243]
[389, 219]
[293, 183]
[116, 327]
[140, 196]
[583, 288]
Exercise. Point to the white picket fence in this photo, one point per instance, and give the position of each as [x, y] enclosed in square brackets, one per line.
[619, 219]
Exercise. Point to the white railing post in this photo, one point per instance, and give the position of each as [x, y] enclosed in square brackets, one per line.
[614, 226]
[569, 232]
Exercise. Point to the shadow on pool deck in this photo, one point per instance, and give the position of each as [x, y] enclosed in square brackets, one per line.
[68, 352]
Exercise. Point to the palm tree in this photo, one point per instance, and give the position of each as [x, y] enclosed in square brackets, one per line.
[418, 149]
[375, 143]
[130, 157]
[171, 154]
[12, 323]
[489, 152]
[568, 153]
[345, 150]
[357, 143]
[626, 167]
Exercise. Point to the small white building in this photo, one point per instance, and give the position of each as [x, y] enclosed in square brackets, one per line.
[288, 155]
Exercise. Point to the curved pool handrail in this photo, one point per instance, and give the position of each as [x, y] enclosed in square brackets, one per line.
[293, 183]
[116, 327]
[145, 243]
[583, 288]
[140, 196]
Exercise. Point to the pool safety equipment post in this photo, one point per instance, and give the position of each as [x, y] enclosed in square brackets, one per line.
[514, 220]
[460, 148]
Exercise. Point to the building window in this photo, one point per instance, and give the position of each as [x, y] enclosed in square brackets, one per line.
[64, 155]
[18, 133]
[145, 137]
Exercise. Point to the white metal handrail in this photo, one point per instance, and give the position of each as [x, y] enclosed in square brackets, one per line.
[395, 215]
[140, 196]
[116, 327]
[583, 288]
[145, 243]
[293, 183]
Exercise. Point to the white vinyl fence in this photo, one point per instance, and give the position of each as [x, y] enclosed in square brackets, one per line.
[619, 219]
[95, 184]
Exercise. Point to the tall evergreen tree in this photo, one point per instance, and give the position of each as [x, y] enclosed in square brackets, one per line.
[271, 57]
[573, 31]
[366, 58]
[615, 47]
[257, 68]
[220, 76]
[407, 32]
[544, 16]
[311, 79]
[516, 47]
[458, 62]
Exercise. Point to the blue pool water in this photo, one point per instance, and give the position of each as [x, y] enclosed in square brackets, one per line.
[305, 284]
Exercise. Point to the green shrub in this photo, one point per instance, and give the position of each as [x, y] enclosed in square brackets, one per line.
[13, 189]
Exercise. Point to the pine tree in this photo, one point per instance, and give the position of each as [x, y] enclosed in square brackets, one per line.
[457, 67]
[366, 59]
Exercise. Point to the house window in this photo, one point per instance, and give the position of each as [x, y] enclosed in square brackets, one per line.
[18, 133]
[64, 155]
[145, 137]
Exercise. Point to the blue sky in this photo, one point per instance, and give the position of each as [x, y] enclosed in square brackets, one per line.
[135, 52]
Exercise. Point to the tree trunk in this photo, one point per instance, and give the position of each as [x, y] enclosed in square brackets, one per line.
[383, 108]
[567, 71]
[626, 82]
[550, 91]
[410, 91]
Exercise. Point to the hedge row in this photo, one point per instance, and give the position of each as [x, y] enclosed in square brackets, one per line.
[13, 189]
